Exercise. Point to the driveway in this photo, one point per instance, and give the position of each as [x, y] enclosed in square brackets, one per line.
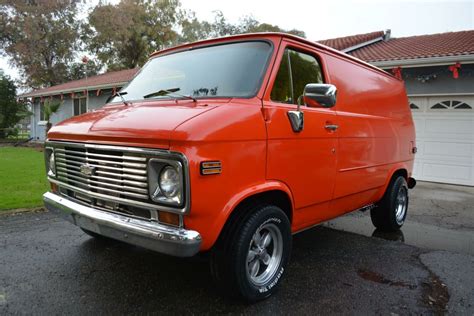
[48, 266]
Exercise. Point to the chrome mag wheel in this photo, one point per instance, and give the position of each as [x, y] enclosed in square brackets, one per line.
[401, 205]
[264, 254]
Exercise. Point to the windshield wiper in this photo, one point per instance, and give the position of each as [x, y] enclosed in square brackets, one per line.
[120, 94]
[164, 92]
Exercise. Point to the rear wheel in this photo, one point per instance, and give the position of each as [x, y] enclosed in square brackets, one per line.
[391, 211]
[250, 258]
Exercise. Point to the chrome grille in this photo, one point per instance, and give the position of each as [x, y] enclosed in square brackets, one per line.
[112, 178]
[112, 172]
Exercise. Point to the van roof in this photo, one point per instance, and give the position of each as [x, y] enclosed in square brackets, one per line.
[266, 35]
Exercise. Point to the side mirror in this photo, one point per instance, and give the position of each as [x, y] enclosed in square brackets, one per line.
[320, 94]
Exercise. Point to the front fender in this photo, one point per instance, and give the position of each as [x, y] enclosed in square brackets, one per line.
[271, 185]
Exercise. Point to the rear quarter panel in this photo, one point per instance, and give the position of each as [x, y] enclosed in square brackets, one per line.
[375, 134]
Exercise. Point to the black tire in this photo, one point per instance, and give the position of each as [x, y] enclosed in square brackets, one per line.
[229, 266]
[385, 216]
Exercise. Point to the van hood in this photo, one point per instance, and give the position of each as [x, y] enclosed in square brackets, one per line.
[147, 124]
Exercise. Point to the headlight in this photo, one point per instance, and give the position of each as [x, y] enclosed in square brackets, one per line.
[166, 182]
[169, 182]
[50, 162]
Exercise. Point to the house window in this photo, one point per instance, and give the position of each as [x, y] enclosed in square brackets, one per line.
[413, 106]
[451, 104]
[80, 106]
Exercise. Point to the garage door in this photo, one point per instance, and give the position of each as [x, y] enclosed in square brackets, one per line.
[445, 138]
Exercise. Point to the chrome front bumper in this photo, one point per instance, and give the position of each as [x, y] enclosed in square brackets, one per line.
[173, 241]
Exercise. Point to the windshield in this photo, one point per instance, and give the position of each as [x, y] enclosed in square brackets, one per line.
[229, 70]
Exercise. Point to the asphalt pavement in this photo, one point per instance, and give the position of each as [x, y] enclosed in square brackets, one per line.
[48, 266]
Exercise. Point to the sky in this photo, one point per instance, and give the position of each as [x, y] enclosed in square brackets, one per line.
[336, 18]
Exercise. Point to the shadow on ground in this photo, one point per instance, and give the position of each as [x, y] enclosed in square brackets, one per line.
[49, 266]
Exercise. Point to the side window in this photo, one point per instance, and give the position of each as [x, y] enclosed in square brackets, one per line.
[304, 69]
[295, 72]
[282, 90]
[80, 106]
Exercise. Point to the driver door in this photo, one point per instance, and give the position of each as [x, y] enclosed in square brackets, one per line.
[305, 161]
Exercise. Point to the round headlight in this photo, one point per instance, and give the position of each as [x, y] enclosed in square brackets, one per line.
[169, 182]
[52, 164]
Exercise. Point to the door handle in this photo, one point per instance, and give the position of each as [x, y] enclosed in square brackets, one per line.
[331, 127]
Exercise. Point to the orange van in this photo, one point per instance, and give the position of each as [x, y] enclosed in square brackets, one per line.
[229, 146]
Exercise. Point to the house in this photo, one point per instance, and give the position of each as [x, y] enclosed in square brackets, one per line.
[78, 97]
[438, 71]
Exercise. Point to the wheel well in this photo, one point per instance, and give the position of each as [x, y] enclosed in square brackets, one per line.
[242, 210]
[400, 172]
[274, 197]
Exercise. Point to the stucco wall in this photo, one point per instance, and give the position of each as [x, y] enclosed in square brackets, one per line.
[64, 112]
[443, 83]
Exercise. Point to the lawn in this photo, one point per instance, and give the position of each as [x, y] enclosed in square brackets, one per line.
[22, 177]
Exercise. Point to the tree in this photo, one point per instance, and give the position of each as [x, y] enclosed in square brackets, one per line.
[81, 70]
[123, 35]
[11, 111]
[40, 37]
[192, 29]
[250, 25]
[50, 107]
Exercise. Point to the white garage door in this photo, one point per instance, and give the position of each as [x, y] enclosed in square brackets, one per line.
[445, 138]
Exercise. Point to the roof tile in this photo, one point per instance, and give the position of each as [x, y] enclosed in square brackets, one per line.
[342, 43]
[422, 46]
[105, 79]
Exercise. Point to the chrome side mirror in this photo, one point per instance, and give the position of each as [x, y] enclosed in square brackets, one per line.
[320, 94]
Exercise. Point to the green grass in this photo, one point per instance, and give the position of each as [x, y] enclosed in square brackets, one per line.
[22, 178]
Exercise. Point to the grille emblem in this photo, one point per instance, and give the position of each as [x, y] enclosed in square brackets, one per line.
[87, 170]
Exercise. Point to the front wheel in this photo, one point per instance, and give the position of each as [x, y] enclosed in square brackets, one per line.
[251, 257]
[391, 211]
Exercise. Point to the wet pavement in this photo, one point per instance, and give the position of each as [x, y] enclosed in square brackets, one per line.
[413, 233]
[440, 217]
[48, 266]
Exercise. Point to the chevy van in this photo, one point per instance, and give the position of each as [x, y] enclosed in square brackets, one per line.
[229, 146]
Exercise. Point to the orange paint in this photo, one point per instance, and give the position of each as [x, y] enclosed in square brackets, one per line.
[324, 173]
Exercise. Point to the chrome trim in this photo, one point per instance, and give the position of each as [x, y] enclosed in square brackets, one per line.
[331, 127]
[46, 161]
[77, 163]
[65, 176]
[133, 158]
[322, 93]
[62, 157]
[131, 182]
[296, 120]
[137, 174]
[155, 182]
[169, 240]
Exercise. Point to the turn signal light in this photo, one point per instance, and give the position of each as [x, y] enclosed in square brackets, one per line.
[211, 167]
[168, 218]
[54, 187]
